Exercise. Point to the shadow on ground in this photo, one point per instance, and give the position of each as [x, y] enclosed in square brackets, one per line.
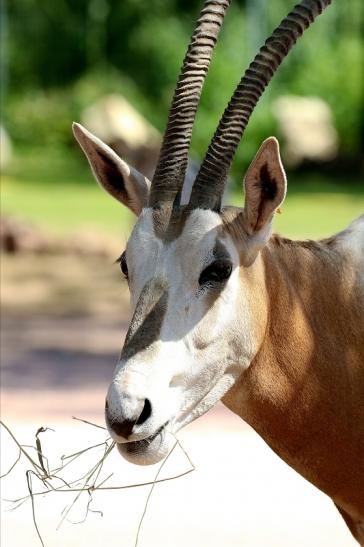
[57, 343]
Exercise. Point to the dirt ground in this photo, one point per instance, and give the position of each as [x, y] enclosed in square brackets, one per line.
[63, 323]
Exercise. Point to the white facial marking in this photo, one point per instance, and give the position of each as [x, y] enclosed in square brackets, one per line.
[201, 348]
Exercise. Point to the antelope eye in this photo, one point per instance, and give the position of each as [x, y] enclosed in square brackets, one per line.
[123, 265]
[218, 271]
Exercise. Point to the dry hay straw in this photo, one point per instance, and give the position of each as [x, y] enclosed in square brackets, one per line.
[52, 480]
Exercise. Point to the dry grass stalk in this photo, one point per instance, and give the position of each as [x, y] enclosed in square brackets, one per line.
[53, 482]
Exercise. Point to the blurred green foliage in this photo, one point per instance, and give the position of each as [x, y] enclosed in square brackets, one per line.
[62, 55]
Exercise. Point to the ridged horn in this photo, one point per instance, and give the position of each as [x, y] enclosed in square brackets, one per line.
[171, 168]
[211, 179]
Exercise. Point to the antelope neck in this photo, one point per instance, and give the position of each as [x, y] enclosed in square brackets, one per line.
[292, 392]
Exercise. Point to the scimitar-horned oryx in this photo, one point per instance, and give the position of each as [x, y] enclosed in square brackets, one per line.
[222, 309]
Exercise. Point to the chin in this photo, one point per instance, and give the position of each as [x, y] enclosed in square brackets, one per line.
[147, 451]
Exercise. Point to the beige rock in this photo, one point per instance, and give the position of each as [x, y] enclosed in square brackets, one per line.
[307, 126]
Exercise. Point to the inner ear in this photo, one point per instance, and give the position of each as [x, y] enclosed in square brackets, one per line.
[268, 184]
[116, 177]
[265, 186]
[110, 174]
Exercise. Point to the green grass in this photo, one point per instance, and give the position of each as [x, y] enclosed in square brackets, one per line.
[317, 215]
[56, 191]
[317, 207]
[64, 208]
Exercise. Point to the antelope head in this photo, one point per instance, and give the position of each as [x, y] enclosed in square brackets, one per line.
[194, 269]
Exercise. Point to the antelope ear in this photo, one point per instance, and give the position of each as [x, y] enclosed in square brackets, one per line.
[265, 189]
[116, 177]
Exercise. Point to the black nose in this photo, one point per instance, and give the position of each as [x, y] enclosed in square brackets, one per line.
[145, 413]
[123, 421]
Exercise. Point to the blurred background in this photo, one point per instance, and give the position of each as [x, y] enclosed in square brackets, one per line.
[112, 65]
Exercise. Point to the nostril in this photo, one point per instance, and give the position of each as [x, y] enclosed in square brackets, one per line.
[122, 425]
[146, 413]
[123, 429]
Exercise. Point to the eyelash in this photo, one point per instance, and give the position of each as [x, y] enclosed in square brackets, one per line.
[217, 272]
[123, 265]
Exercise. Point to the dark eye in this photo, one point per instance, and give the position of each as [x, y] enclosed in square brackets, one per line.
[217, 272]
[123, 265]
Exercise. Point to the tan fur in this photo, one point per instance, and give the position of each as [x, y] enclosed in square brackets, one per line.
[304, 391]
[289, 321]
[265, 176]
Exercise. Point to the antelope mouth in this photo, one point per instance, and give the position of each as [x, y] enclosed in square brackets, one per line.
[147, 451]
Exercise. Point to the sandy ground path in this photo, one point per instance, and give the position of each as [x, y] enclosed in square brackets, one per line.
[56, 366]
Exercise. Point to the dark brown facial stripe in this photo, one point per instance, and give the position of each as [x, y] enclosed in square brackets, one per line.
[169, 221]
[220, 251]
[147, 320]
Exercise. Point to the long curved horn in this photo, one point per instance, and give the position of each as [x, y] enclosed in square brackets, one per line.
[210, 182]
[170, 172]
